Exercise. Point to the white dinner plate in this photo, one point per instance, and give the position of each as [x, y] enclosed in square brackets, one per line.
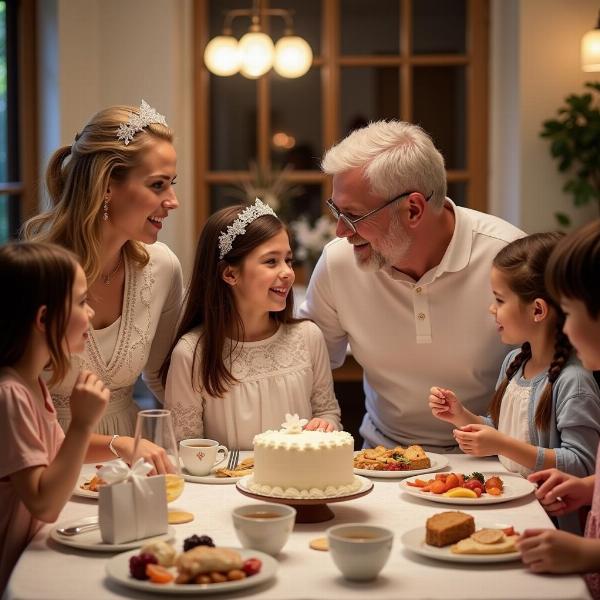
[365, 484]
[438, 461]
[515, 487]
[91, 540]
[79, 491]
[117, 569]
[414, 540]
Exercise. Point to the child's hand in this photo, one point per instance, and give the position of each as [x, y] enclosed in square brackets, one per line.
[151, 453]
[88, 400]
[553, 551]
[479, 440]
[319, 424]
[560, 493]
[444, 404]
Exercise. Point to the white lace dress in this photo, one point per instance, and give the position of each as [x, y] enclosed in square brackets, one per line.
[136, 343]
[286, 373]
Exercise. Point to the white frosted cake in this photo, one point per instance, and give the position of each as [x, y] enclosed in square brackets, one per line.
[294, 463]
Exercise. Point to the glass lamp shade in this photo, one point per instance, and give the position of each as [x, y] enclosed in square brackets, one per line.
[256, 54]
[293, 56]
[590, 51]
[222, 56]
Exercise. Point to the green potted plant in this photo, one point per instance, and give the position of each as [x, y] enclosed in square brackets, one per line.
[575, 143]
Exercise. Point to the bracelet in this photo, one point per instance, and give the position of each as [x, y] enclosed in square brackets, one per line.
[111, 447]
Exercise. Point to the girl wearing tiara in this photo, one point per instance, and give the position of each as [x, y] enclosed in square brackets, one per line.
[242, 361]
[111, 191]
[43, 318]
[546, 409]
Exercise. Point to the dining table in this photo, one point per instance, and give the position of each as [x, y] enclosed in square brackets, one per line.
[49, 570]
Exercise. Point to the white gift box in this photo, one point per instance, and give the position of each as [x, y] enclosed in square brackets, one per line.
[133, 510]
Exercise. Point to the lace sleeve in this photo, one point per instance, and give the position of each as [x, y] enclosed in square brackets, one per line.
[322, 398]
[165, 330]
[185, 403]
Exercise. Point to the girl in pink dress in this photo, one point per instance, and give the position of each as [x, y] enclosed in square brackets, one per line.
[572, 278]
[44, 317]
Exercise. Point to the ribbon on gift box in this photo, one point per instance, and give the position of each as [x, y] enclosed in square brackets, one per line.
[118, 471]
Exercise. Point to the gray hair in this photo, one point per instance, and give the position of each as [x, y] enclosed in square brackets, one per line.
[396, 157]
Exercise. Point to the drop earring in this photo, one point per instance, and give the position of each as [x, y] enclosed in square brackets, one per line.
[105, 215]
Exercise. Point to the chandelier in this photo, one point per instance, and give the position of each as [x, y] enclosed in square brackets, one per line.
[255, 54]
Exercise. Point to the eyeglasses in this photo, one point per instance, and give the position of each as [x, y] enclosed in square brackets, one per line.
[351, 223]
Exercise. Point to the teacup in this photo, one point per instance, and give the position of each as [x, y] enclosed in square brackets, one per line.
[359, 551]
[199, 455]
[264, 527]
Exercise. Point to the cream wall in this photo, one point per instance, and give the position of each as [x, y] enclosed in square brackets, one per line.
[94, 53]
[535, 65]
[117, 52]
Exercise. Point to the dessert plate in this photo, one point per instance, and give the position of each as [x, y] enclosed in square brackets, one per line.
[414, 540]
[117, 569]
[91, 540]
[211, 478]
[79, 491]
[515, 487]
[438, 461]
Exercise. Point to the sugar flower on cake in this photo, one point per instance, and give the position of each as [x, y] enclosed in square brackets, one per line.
[293, 423]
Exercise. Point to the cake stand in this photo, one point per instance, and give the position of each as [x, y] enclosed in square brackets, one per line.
[309, 510]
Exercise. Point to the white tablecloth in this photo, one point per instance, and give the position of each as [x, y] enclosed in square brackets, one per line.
[49, 571]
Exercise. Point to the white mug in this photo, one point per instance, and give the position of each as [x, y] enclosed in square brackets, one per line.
[264, 527]
[199, 455]
[359, 551]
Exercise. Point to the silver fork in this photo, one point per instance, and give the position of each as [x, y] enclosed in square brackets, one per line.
[233, 459]
[74, 530]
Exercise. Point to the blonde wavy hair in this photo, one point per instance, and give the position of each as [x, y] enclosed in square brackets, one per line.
[77, 178]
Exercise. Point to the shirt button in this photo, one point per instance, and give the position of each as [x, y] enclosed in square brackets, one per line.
[421, 316]
[418, 290]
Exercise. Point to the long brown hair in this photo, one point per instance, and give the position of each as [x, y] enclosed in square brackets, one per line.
[210, 301]
[35, 275]
[573, 269]
[523, 264]
[77, 179]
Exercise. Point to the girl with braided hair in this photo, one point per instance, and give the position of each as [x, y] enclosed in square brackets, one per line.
[546, 409]
[572, 278]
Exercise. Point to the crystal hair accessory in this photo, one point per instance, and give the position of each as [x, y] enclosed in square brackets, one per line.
[238, 227]
[136, 123]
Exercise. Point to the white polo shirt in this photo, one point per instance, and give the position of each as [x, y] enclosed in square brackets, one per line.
[409, 336]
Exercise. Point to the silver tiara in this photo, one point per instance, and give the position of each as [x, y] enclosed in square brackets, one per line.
[238, 227]
[136, 123]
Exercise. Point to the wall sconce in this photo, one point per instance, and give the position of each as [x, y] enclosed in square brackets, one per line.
[255, 53]
[590, 49]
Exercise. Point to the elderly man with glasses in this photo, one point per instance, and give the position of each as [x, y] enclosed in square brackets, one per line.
[406, 284]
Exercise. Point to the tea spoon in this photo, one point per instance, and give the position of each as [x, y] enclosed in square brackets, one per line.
[75, 529]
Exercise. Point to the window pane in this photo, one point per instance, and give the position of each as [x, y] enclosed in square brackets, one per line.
[3, 99]
[232, 122]
[307, 21]
[225, 195]
[296, 138]
[439, 106]
[382, 36]
[368, 94]
[439, 27]
[457, 192]
[6, 202]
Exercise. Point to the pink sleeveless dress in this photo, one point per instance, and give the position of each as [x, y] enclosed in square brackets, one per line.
[592, 530]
